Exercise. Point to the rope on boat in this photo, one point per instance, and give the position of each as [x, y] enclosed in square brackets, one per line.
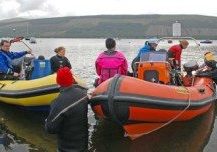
[2, 85]
[167, 123]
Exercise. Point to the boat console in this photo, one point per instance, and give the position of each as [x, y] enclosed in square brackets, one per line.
[154, 67]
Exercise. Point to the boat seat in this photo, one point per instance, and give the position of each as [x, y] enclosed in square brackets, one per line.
[41, 69]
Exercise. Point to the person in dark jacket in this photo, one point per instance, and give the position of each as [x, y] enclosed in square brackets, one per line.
[68, 114]
[7, 70]
[210, 72]
[59, 60]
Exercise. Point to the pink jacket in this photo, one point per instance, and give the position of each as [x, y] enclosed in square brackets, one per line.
[109, 65]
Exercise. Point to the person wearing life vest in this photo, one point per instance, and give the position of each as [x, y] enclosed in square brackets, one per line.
[110, 62]
[150, 45]
[68, 114]
[7, 70]
[209, 68]
[175, 52]
[59, 60]
[208, 56]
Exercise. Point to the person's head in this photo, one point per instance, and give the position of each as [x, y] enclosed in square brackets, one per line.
[5, 45]
[110, 44]
[64, 77]
[153, 43]
[60, 51]
[184, 44]
[41, 57]
[209, 56]
[210, 60]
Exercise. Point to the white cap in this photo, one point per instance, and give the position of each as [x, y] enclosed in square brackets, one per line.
[153, 41]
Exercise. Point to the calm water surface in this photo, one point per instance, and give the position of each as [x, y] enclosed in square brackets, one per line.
[25, 129]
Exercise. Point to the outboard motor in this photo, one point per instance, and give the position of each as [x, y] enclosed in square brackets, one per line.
[189, 67]
[28, 67]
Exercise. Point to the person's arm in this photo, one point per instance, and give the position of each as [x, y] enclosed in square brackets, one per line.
[97, 66]
[68, 64]
[15, 55]
[139, 53]
[52, 64]
[3, 67]
[124, 66]
[210, 74]
[178, 57]
[52, 125]
[143, 50]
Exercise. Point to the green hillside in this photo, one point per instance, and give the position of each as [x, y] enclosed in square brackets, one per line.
[121, 26]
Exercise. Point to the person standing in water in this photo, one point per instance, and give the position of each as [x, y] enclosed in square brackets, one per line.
[59, 60]
[68, 114]
[110, 62]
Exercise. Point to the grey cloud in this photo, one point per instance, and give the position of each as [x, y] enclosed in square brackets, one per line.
[29, 5]
[7, 11]
[27, 8]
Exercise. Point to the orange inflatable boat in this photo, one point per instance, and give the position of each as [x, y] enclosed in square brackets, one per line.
[151, 99]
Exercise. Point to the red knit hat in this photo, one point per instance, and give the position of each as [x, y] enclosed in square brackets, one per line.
[64, 77]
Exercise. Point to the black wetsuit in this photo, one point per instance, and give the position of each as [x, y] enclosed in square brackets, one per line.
[58, 62]
[210, 73]
[72, 126]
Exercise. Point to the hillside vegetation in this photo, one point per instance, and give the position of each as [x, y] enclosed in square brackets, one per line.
[121, 26]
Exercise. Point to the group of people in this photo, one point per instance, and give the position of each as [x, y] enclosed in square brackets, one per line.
[68, 113]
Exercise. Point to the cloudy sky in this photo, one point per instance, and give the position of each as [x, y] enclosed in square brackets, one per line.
[55, 8]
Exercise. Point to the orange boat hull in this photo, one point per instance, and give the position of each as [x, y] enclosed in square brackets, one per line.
[142, 107]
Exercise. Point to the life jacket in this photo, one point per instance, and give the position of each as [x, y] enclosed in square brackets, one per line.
[110, 65]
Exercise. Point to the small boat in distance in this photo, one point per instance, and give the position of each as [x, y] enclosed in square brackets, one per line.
[170, 41]
[32, 40]
[27, 38]
[206, 42]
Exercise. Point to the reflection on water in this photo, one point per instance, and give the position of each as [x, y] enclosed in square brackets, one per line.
[25, 129]
[188, 136]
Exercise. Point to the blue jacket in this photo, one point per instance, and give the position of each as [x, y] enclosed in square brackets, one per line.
[144, 49]
[6, 58]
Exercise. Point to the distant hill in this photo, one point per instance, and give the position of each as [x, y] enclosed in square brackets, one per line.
[121, 26]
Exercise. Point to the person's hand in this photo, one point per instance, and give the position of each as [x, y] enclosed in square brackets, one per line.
[178, 68]
[16, 74]
[29, 52]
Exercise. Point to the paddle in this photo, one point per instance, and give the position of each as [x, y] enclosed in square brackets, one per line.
[20, 39]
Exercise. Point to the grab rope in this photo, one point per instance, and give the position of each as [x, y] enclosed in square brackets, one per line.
[2, 85]
[167, 123]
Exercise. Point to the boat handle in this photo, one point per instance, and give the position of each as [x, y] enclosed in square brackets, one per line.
[201, 90]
